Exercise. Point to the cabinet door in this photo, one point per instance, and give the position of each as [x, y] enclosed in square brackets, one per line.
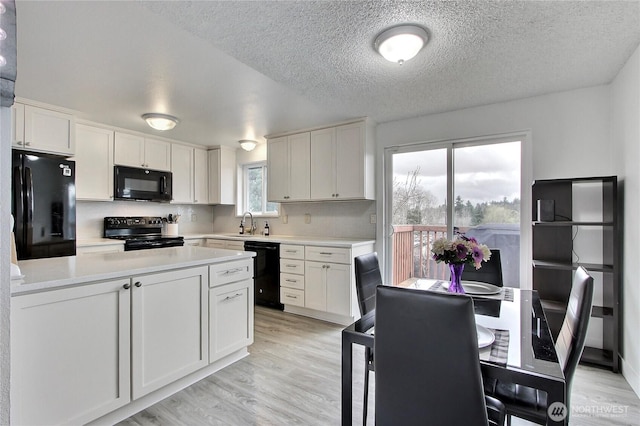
[323, 164]
[299, 163]
[278, 169]
[17, 125]
[338, 289]
[183, 173]
[47, 130]
[315, 286]
[128, 150]
[231, 318]
[350, 161]
[222, 176]
[157, 154]
[201, 176]
[94, 163]
[70, 353]
[169, 313]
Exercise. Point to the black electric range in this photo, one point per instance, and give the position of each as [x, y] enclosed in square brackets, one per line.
[139, 232]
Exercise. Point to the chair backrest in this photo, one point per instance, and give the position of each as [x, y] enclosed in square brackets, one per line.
[570, 341]
[490, 272]
[368, 277]
[427, 364]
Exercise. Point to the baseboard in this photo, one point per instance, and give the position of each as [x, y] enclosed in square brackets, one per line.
[154, 397]
[324, 316]
[631, 376]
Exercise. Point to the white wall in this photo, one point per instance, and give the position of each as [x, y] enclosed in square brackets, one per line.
[626, 141]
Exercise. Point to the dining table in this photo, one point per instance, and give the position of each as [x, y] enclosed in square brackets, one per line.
[521, 349]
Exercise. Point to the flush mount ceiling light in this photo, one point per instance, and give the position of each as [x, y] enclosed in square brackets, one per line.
[401, 43]
[160, 121]
[247, 144]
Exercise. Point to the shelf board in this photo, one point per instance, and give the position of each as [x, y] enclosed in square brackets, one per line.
[572, 223]
[601, 312]
[546, 264]
[597, 356]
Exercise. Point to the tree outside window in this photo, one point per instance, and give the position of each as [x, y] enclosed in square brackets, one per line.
[255, 191]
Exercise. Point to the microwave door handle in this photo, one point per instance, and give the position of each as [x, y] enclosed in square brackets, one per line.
[163, 185]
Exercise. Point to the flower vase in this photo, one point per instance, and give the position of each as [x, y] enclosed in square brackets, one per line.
[456, 275]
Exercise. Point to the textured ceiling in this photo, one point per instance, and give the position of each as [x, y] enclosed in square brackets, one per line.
[232, 69]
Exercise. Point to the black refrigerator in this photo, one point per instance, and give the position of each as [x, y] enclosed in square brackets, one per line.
[43, 204]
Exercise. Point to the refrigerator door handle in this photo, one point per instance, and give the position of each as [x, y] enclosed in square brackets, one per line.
[28, 180]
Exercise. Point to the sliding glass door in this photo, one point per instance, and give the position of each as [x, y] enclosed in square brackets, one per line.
[441, 189]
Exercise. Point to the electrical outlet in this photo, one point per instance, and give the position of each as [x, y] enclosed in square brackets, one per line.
[307, 218]
[284, 219]
[373, 218]
[194, 218]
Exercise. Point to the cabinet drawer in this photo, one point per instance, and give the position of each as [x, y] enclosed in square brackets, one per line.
[290, 296]
[328, 254]
[235, 245]
[288, 251]
[292, 281]
[230, 272]
[292, 266]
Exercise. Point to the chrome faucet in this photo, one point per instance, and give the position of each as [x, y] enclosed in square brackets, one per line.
[252, 229]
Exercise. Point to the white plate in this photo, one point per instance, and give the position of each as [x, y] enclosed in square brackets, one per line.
[475, 287]
[485, 336]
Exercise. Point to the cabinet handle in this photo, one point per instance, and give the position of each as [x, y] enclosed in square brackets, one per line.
[138, 284]
[127, 286]
[291, 266]
[233, 271]
[326, 253]
[232, 297]
[291, 251]
[291, 281]
[28, 144]
[337, 195]
[291, 296]
[18, 142]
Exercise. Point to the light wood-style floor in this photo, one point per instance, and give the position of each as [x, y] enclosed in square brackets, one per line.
[292, 377]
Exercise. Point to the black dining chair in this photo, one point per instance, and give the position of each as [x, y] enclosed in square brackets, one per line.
[427, 361]
[529, 403]
[368, 277]
[490, 272]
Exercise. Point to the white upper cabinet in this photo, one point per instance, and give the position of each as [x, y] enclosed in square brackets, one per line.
[182, 168]
[222, 176]
[94, 163]
[42, 130]
[138, 151]
[201, 176]
[338, 164]
[288, 160]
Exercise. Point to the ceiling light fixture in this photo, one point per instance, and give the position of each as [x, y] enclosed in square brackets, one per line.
[247, 144]
[160, 121]
[401, 43]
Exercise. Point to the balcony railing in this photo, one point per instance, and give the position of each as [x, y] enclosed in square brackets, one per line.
[412, 252]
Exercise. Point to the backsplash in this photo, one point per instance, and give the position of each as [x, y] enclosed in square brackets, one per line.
[343, 219]
[90, 215]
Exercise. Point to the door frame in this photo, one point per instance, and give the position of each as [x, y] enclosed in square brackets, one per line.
[526, 178]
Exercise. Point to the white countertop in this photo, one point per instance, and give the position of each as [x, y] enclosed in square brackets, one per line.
[41, 274]
[286, 239]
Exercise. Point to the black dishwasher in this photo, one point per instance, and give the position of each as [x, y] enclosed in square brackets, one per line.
[266, 273]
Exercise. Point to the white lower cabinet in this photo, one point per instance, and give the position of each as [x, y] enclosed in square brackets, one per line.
[328, 287]
[80, 353]
[70, 352]
[230, 318]
[169, 327]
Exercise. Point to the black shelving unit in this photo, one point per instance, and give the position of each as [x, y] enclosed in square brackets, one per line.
[553, 259]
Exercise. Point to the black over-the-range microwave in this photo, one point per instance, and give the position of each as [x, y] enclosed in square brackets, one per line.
[131, 183]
